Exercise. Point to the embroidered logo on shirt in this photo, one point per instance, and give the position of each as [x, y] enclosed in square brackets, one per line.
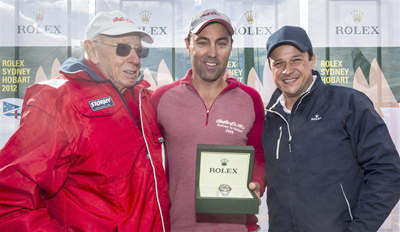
[316, 118]
[102, 103]
[230, 127]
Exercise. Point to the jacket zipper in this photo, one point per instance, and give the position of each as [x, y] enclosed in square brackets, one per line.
[130, 113]
[126, 104]
[347, 202]
[207, 110]
[150, 158]
[301, 99]
[278, 142]
[287, 123]
[297, 107]
[290, 145]
[288, 128]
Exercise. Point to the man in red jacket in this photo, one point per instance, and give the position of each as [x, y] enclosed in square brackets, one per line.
[87, 155]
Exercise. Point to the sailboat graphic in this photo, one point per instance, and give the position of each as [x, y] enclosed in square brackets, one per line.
[369, 79]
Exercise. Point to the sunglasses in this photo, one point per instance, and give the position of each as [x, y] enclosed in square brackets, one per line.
[125, 49]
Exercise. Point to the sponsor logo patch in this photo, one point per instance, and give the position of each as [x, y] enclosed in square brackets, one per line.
[102, 103]
[316, 118]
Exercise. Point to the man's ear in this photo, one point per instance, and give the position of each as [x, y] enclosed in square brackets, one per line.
[269, 63]
[91, 51]
[312, 61]
[231, 46]
[187, 42]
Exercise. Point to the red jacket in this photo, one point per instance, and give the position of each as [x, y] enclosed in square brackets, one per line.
[78, 162]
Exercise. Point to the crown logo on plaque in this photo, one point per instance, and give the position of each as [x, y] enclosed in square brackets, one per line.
[224, 162]
[145, 16]
[250, 16]
[39, 14]
[357, 15]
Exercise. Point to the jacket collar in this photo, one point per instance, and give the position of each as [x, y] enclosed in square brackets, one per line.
[73, 66]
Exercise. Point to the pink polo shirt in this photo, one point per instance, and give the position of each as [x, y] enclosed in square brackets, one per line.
[186, 122]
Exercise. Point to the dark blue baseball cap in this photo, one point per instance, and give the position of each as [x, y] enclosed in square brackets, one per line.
[295, 36]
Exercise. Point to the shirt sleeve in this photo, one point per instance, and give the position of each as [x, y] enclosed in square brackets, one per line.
[378, 157]
[33, 167]
[254, 139]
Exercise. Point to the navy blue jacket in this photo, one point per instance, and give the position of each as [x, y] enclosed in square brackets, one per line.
[332, 166]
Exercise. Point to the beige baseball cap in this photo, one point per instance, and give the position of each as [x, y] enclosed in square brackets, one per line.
[114, 23]
[204, 17]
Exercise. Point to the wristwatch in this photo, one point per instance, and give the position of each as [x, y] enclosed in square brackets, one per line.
[224, 189]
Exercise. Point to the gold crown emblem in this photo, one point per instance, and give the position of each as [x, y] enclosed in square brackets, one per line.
[224, 162]
[39, 14]
[250, 16]
[145, 16]
[357, 15]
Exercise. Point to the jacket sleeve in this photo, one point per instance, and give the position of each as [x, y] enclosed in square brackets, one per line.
[378, 157]
[254, 139]
[33, 167]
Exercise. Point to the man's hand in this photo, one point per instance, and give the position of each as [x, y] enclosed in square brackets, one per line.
[256, 188]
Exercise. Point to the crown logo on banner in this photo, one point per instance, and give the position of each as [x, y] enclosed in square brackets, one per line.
[250, 16]
[357, 15]
[145, 16]
[39, 14]
[224, 162]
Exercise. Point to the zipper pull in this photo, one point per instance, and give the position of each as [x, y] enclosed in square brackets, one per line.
[278, 142]
[208, 111]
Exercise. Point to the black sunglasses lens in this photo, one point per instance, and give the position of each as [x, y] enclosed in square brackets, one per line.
[142, 52]
[123, 49]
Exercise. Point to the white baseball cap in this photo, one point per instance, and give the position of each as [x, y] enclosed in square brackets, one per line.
[204, 17]
[113, 23]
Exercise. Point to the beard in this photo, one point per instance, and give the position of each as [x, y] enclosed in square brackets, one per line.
[210, 75]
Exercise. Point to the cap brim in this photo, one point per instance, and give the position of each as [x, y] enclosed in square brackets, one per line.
[126, 30]
[202, 25]
[298, 45]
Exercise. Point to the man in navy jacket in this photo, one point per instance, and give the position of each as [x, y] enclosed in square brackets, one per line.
[330, 162]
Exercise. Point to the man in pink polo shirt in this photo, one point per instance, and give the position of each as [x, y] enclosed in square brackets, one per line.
[189, 112]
